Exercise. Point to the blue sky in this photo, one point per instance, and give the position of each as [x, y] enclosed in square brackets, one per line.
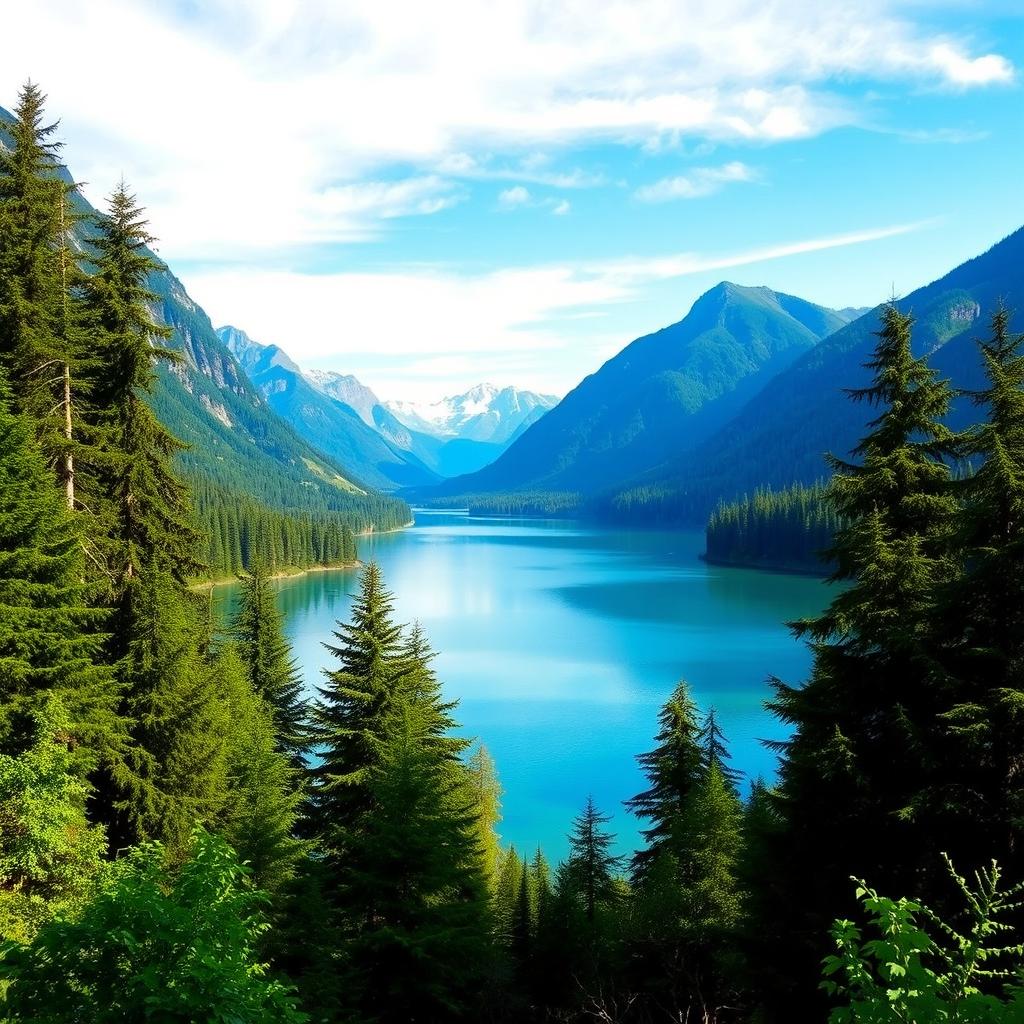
[434, 195]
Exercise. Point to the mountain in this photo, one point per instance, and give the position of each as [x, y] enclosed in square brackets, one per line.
[781, 434]
[335, 427]
[662, 393]
[485, 414]
[237, 442]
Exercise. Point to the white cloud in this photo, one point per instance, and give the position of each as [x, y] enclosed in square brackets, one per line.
[245, 121]
[561, 208]
[449, 324]
[701, 181]
[513, 197]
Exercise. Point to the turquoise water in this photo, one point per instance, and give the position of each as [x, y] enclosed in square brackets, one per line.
[562, 641]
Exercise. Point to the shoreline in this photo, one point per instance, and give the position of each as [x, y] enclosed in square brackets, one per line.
[202, 586]
[780, 568]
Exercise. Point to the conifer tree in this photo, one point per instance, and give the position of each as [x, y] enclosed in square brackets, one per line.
[261, 805]
[273, 673]
[981, 621]
[358, 706]
[484, 792]
[413, 893]
[50, 638]
[715, 750]
[510, 873]
[672, 769]
[147, 508]
[591, 864]
[174, 771]
[856, 773]
[40, 342]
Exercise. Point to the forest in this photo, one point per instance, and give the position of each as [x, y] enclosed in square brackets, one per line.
[789, 530]
[187, 834]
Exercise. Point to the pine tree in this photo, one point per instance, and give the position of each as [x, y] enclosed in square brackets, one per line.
[981, 621]
[715, 750]
[272, 671]
[413, 893]
[484, 792]
[147, 508]
[672, 769]
[591, 864]
[261, 808]
[40, 343]
[856, 773]
[174, 771]
[510, 872]
[357, 707]
[50, 638]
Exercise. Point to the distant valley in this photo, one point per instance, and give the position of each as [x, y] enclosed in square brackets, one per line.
[387, 445]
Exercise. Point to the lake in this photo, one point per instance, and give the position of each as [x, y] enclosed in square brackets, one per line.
[562, 641]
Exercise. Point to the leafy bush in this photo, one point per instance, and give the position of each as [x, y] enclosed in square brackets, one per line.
[152, 946]
[922, 970]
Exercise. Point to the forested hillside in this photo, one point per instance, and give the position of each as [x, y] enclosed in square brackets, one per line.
[661, 394]
[190, 835]
[790, 530]
[328, 424]
[240, 454]
[784, 432]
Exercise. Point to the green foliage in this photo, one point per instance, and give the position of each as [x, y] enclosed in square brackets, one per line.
[356, 708]
[147, 510]
[49, 853]
[592, 866]
[153, 945]
[262, 800]
[484, 794]
[785, 530]
[921, 968]
[273, 673]
[50, 638]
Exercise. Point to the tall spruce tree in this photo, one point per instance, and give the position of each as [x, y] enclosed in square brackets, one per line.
[591, 863]
[357, 707]
[272, 670]
[981, 622]
[40, 338]
[262, 801]
[51, 639]
[672, 769]
[147, 508]
[413, 894]
[856, 773]
[484, 792]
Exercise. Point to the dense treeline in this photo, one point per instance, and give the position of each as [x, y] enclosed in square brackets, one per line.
[237, 530]
[513, 503]
[790, 530]
[186, 833]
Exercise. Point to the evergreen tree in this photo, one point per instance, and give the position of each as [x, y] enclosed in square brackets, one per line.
[672, 769]
[273, 673]
[261, 807]
[50, 639]
[413, 893]
[484, 792]
[591, 864]
[856, 773]
[715, 750]
[147, 508]
[510, 873]
[40, 341]
[981, 621]
[357, 707]
[174, 772]
[420, 686]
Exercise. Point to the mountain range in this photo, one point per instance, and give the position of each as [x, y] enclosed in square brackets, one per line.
[782, 433]
[386, 445]
[663, 393]
[236, 441]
